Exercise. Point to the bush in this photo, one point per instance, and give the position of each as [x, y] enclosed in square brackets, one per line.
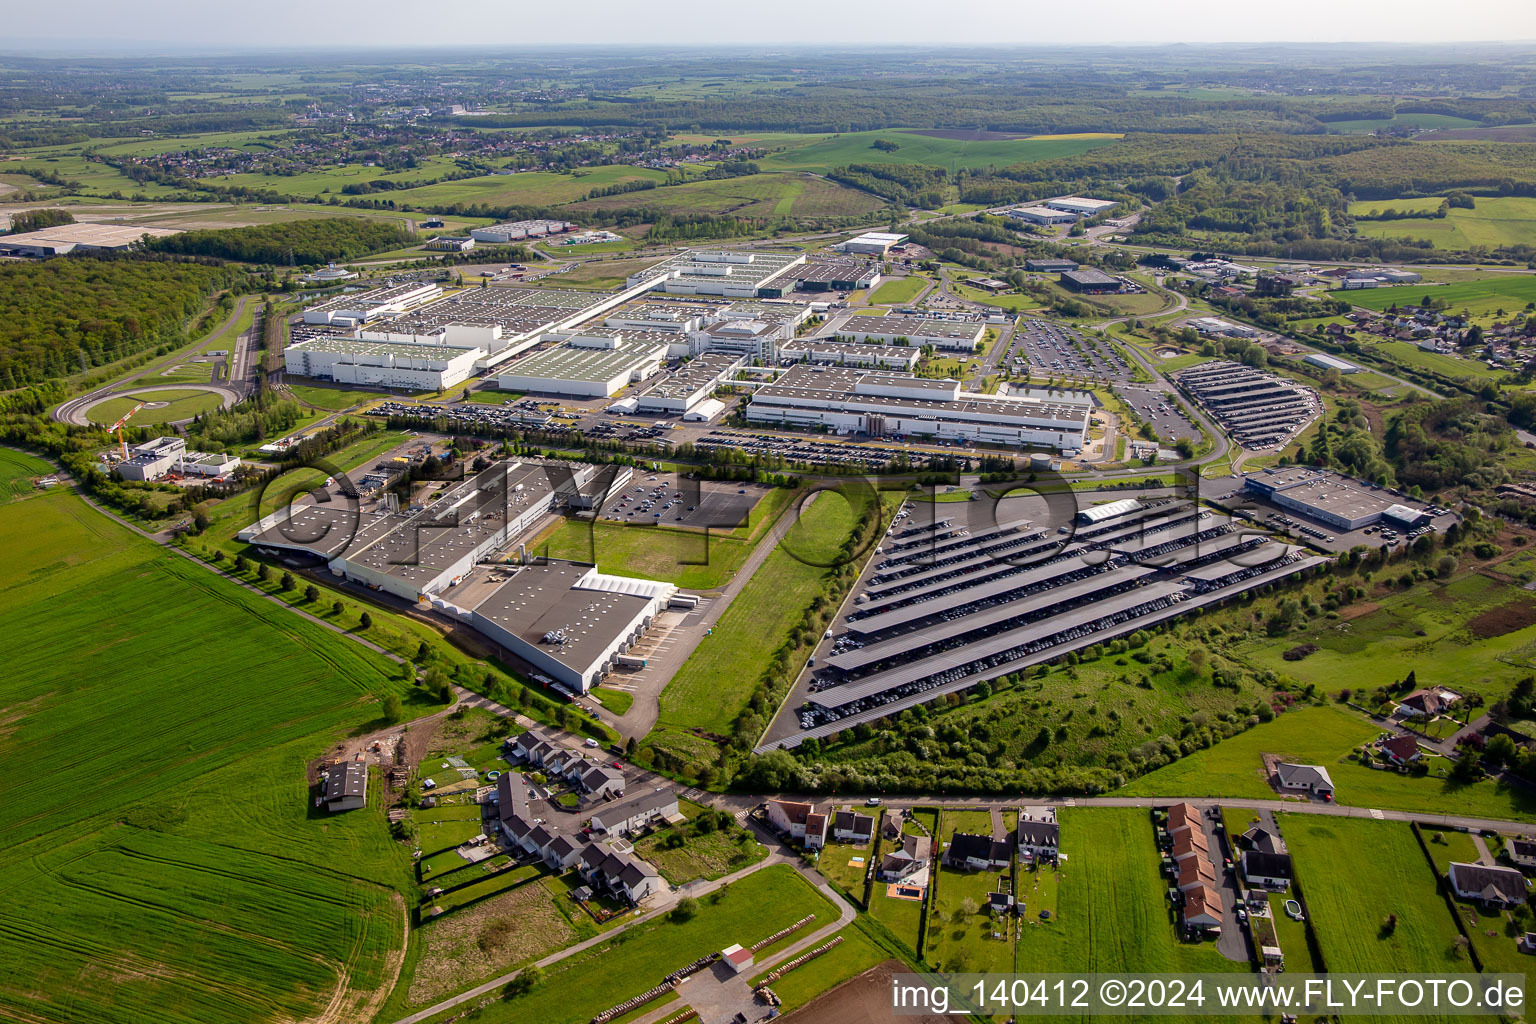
[687, 908]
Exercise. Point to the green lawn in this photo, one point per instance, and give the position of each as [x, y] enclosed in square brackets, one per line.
[579, 987]
[718, 678]
[180, 404]
[168, 857]
[332, 399]
[17, 469]
[529, 188]
[1349, 907]
[616, 701]
[822, 153]
[1324, 735]
[704, 853]
[691, 559]
[1495, 222]
[1481, 298]
[897, 290]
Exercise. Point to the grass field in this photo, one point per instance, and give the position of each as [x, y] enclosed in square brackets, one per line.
[530, 188]
[180, 404]
[1349, 906]
[856, 954]
[1481, 298]
[1325, 736]
[1405, 120]
[1496, 222]
[767, 195]
[579, 987]
[689, 558]
[821, 153]
[714, 683]
[167, 866]
[16, 472]
[898, 290]
[703, 854]
[331, 399]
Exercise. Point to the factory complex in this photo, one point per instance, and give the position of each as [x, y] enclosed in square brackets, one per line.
[889, 404]
[566, 619]
[165, 456]
[962, 336]
[949, 602]
[1340, 501]
[67, 238]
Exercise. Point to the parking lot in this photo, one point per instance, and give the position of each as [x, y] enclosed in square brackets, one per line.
[1161, 410]
[665, 499]
[1049, 349]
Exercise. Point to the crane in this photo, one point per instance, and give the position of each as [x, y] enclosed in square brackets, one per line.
[118, 428]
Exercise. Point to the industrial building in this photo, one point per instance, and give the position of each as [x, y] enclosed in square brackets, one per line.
[585, 366]
[1333, 498]
[836, 353]
[355, 308]
[1080, 206]
[1259, 410]
[1049, 266]
[1215, 325]
[415, 362]
[878, 403]
[450, 243]
[67, 238]
[517, 231]
[873, 243]
[690, 384]
[155, 459]
[822, 275]
[957, 598]
[1327, 362]
[1090, 281]
[964, 336]
[1042, 216]
[731, 273]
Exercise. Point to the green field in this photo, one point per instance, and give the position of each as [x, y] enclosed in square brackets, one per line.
[180, 404]
[718, 678]
[1404, 120]
[581, 986]
[1481, 298]
[332, 399]
[898, 290]
[1354, 872]
[16, 472]
[530, 188]
[165, 865]
[1325, 736]
[822, 153]
[1497, 222]
[766, 195]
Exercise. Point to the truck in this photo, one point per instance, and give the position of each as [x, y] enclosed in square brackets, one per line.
[629, 661]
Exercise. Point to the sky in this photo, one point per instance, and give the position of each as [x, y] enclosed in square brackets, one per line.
[166, 25]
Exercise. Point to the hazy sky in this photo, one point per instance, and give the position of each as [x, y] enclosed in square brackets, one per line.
[156, 24]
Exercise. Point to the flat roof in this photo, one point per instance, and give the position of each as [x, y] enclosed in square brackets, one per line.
[534, 601]
[909, 326]
[104, 235]
[590, 365]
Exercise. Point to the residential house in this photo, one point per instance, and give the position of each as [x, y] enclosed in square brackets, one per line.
[1492, 886]
[1522, 852]
[852, 827]
[1426, 704]
[1190, 842]
[907, 859]
[1196, 872]
[1038, 835]
[631, 815]
[344, 786]
[621, 874]
[600, 782]
[1263, 840]
[1305, 778]
[890, 824]
[815, 830]
[1182, 816]
[788, 816]
[561, 852]
[1203, 908]
[1401, 749]
[976, 853]
[1267, 870]
[512, 799]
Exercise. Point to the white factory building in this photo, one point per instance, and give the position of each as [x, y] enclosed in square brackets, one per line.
[414, 362]
[882, 403]
[359, 307]
[154, 459]
[689, 385]
[963, 336]
[875, 243]
[585, 366]
[1327, 362]
[517, 231]
[729, 273]
[1043, 216]
[1080, 206]
[1216, 325]
[834, 353]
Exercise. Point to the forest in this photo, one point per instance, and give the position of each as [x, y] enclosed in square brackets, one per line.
[73, 313]
[301, 242]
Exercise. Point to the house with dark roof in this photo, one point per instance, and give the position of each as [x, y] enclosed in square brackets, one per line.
[1428, 703]
[1263, 840]
[561, 852]
[815, 830]
[1038, 835]
[976, 853]
[1305, 778]
[852, 827]
[600, 782]
[1267, 870]
[623, 875]
[1491, 886]
[1522, 852]
[635, 813]
[890, 824]
[344, 787]
[906, 860]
